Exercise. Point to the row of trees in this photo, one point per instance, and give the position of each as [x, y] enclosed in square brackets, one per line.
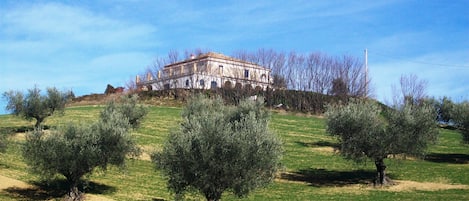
[368, 130]
[217, 147]
[453, 114]
[75, 150]
[315, 72]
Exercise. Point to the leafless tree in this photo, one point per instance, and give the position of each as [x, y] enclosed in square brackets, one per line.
[411, 89]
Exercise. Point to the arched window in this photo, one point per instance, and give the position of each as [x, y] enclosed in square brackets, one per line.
[213, 85]
[228, 85]
[202, 83]
[238, 85]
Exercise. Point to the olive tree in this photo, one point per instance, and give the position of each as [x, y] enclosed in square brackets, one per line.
[219, 148]
[460, 117]
[366, 131]
[35, 105]
[129, 107]
[76, 150]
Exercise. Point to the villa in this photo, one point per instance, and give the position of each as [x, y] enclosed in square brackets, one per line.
[209, 71]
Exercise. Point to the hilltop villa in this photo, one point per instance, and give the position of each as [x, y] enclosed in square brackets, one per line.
[208, 71]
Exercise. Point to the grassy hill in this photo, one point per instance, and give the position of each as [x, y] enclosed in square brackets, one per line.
[312, 169]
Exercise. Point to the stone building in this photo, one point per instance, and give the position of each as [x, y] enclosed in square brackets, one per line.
[208, 71]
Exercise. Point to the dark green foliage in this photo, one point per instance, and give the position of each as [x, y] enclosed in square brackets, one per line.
[34, 105]
[76, 150]
[279, 82]
[219, 148]
[460, 117]
[364, 131]
[445, 108]
[3, 139]
[302, 101]
[339, 87]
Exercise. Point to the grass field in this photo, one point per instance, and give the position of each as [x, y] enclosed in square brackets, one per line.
[312, 169]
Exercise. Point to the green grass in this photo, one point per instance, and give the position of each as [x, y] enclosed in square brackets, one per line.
[312, 170]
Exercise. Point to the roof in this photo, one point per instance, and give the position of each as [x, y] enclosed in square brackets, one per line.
[212, 55]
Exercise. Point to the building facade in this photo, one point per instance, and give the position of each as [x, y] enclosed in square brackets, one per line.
[209, 71]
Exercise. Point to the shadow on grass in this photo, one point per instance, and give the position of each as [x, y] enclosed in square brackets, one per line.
[55, 189]
[448, 127]
[20, 129]
[319, 144]
[326, 178]
[448, 158]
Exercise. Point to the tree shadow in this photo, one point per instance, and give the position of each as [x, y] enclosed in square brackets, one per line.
[448, 158]
[55, 189]
[319, 144]
[326, 178]
[448, 127]
[21, 129]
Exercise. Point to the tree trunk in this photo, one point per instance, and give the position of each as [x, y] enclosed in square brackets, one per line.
[213, 196]
[38, 123]
[74, 194]
[381, 178]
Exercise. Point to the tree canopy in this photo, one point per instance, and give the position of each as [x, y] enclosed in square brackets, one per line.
[35, 105]
[219, 148]
[365, 130]
[460, 117]
[76, 150]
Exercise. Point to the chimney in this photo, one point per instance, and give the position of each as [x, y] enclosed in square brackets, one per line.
[137, 79]
[149, 76]
[159, 74]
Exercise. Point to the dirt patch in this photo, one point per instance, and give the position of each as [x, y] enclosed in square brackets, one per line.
[6, 182]
[403, 185]
[324, 149]
[357, 187]
[20, 186]
[144, 156]
[19, 136]
[91, 197]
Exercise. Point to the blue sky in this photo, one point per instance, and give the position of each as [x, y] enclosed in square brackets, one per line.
[85, 45]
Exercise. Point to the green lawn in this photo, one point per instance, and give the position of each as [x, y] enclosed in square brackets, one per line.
[312, 170]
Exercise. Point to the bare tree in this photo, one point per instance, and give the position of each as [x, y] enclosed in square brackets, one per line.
[411, 90]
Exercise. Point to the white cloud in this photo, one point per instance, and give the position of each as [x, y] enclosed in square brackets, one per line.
[53, 44]
[445, 72]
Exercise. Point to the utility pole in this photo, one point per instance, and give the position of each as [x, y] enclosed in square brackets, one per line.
[366, 72]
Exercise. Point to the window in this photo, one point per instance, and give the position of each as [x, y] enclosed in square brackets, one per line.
[202, 83]
[213, 85]
[187, 83]
[246, 73]
[220, 69]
